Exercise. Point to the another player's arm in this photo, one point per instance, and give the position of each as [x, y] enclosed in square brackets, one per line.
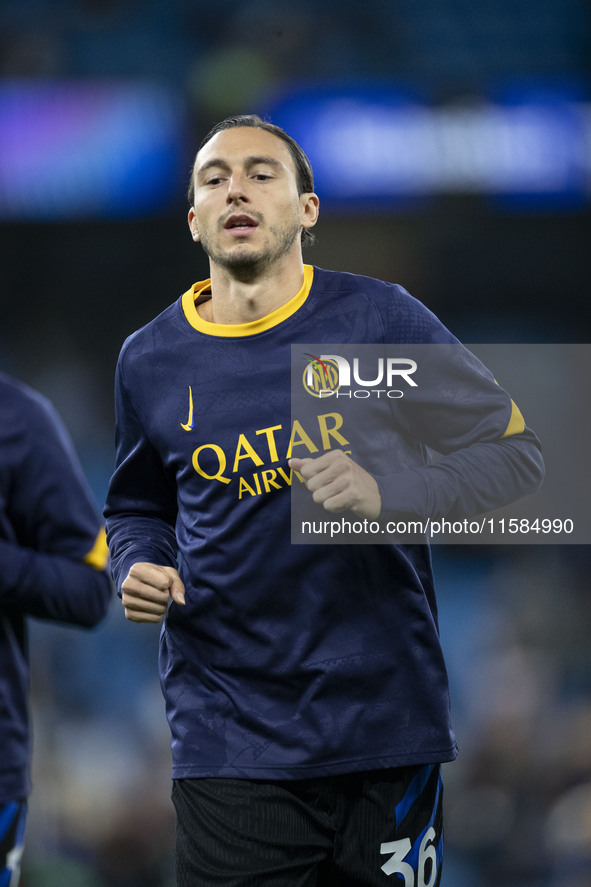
[53, 556]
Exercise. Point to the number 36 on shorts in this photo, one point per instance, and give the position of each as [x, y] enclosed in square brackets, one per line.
[424, 871]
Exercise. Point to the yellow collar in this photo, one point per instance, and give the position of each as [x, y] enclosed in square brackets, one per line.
[243, 329]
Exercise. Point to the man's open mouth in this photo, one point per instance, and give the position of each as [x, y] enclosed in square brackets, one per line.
[240, 222]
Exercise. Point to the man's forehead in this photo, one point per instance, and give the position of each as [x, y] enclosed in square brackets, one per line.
[241, 142]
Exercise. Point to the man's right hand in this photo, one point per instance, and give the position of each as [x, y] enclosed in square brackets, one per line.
[147, 590]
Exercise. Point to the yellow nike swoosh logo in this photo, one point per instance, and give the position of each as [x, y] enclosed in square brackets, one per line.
[188, 425]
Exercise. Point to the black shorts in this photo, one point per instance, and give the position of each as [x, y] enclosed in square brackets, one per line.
[382, 827]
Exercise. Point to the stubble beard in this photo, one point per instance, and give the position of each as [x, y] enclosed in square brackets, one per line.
[247, 265]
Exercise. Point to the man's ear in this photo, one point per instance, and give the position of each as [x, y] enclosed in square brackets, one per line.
[193, 226]
[309, 204]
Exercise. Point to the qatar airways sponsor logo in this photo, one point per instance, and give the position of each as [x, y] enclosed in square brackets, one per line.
[331, 375]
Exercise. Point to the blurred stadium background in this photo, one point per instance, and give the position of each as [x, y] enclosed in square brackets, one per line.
[451, 141]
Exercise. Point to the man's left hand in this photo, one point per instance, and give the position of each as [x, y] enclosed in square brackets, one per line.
[338, 483]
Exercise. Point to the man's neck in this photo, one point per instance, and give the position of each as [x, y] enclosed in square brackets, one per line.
[235, 301]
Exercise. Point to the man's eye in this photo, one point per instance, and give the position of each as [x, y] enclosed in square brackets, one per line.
[261, 176]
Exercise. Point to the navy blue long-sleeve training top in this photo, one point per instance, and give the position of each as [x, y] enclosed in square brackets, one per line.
[293, 660]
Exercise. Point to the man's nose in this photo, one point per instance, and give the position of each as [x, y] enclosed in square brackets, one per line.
[236, 187]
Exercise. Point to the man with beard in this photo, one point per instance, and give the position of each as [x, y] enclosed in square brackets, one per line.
[305, 685]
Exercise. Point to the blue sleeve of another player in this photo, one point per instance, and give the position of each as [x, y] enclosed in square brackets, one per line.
[50, 586]
[141, 504]
[488, 456]
[53, 553]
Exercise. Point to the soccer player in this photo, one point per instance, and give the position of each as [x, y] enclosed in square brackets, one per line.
[53, 559]
[305, 685]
